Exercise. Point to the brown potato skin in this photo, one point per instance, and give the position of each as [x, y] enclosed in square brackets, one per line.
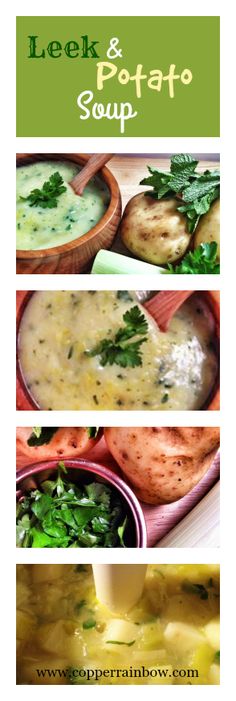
[163, 464]
[208, 229]
[154, 230]
[66, 443]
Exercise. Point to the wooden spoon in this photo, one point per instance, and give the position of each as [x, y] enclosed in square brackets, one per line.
[164, 305]
[95, 163]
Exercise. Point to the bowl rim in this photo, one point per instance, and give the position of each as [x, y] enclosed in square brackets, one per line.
[100, 470]
[213, 400]
[105, 220]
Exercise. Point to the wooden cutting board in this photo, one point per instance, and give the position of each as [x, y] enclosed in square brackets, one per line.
[130, 169]
[161, 519]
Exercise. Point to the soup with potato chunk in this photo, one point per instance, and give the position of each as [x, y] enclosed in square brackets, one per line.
[64, 634]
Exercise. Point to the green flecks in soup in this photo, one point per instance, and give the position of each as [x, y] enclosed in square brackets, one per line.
[62, 626]
[38, 228]
[178, 368]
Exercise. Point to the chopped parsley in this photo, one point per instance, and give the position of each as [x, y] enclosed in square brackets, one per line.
[61, 514]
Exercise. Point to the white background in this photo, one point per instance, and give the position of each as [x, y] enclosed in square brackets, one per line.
[10, 282]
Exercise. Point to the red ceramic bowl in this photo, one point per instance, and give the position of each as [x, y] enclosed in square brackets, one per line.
[25, 400]
[82, 471]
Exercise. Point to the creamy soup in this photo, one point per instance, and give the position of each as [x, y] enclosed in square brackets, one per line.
[59, 329]
[73, 216]
[172, 633]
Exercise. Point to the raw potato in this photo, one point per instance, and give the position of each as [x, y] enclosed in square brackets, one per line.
[208, 228]
[163, 464]
[65, 443]
[154, 230]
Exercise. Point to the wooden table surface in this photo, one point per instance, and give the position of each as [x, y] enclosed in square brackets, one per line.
[130, 169]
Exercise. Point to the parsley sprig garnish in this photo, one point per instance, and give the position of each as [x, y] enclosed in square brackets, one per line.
[195, 192]
[119, 350]
[202, 260]
[47, 196]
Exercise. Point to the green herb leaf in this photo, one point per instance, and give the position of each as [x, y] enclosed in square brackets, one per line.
[197, 589]
[37, 430]
[183, 162]
[119, 351]
[90, 623]
[41, 436]
[196, 191]
[119, 642]
[47, 196]
[200, 188]
[80, 604]
[124, 295]
[217, 657]
[42, 505]
[70, 352]
[61, 514]
[121, 531]
[165, 398]
[201, 261]
[92, 431]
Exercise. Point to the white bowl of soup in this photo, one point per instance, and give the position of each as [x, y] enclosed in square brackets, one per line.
[66, 237]
[66, 346]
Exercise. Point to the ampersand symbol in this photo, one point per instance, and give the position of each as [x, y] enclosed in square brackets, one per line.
[112, 51]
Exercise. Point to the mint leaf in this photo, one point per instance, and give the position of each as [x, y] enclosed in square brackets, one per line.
[199, 188]
[197, 191]
[182, 167]
[183, 162]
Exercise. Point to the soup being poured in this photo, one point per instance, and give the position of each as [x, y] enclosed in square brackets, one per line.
[65, 636]
[102, 350]
[72, 216]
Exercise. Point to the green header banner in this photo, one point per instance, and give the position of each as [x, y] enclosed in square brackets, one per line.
[118, 76]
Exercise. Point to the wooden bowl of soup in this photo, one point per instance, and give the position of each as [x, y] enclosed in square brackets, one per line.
[59, 367]
[65, 238]
[84, 472]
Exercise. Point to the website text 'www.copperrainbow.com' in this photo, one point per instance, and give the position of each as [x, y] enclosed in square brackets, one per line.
[83, 675]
